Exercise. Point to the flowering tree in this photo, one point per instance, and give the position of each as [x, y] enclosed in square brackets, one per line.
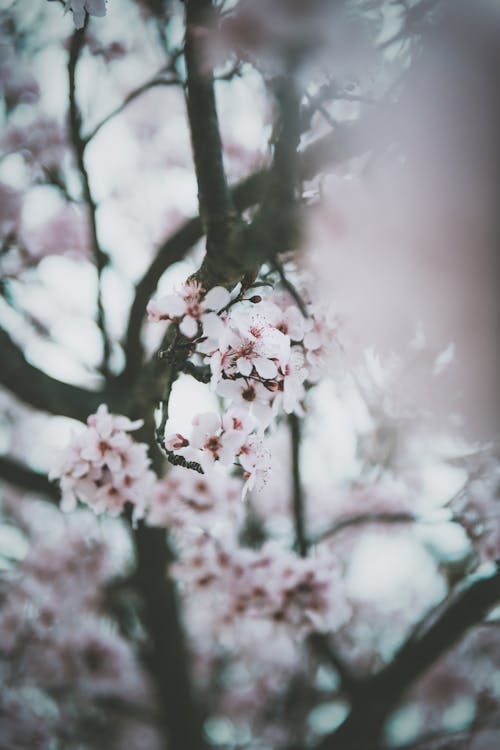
[250, 480]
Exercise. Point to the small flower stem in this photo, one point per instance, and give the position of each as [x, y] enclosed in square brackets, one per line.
[298, 495]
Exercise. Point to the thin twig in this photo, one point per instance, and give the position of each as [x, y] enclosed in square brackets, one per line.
[298, 508]
[157, 80]
[75, 126]
[362, 519]
[15, 473]
[290, 288]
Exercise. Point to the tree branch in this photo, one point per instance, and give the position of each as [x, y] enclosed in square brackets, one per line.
[362, 519]
[21, 476]
[319, 642]
[154, 82]
[298, 509]
[245, 194]
[75, 125]
[41, 391]
[377, 696]
[213, 194]
[168, 657]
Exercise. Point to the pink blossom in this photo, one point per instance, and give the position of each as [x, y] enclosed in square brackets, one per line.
[190, 307]
[42, 143]
[256, 460]
[17, 85]
[10, 209]
[104, 468]
[185, 500]
[66, 232]
[219, 440]
[319, 339]
[303, 595]
[250, 394]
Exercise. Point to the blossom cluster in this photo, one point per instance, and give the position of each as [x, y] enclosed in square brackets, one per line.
[61, 657]
[261, 352]
[271, 584]
[104, 467]
[225, 439]
[186, 500]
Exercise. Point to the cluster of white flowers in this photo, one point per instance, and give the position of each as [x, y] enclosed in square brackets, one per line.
[190, 308]
[186, 500]
[225, 439]
[104, 467]
[261, 351]
[271, 584]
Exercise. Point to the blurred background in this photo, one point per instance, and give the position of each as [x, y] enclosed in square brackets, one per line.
[399, 243]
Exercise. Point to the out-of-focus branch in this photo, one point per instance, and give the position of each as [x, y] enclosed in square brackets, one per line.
[167, 657]
[79, 143]
[21, 476]
[172, 251]
[290, 288]
[364, 519]
[415, 18]
[298, 509]
[213, 194]
[245, 194]
[157, 80]
[377, 696]
[40, 390]
[318, 642]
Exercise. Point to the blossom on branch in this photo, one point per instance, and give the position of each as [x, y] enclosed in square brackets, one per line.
[189, 307]
[226, 440]
[304, 595]
[104, 467]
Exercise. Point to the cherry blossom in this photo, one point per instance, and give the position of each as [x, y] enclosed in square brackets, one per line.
[184, 501]
[190, 307]
[59, 653]
[271, 583]
[256, 460]
[224, 440]
[320, 339]
[216, 443]
[249, 393]
[103, 466]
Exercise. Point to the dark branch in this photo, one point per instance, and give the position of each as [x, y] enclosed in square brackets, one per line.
[75, 127]
[21, 476]
[377, 696]
[168, 657]
[172, 251]
[290, 288]
[167, 654]
[363, 519]
[158, 80]
[213, 194]
[298, 508]
[41, 391]
[319, 642]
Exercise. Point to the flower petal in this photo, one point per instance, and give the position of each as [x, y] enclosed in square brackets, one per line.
[216, 298]
[266, 368]
[188, 327]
